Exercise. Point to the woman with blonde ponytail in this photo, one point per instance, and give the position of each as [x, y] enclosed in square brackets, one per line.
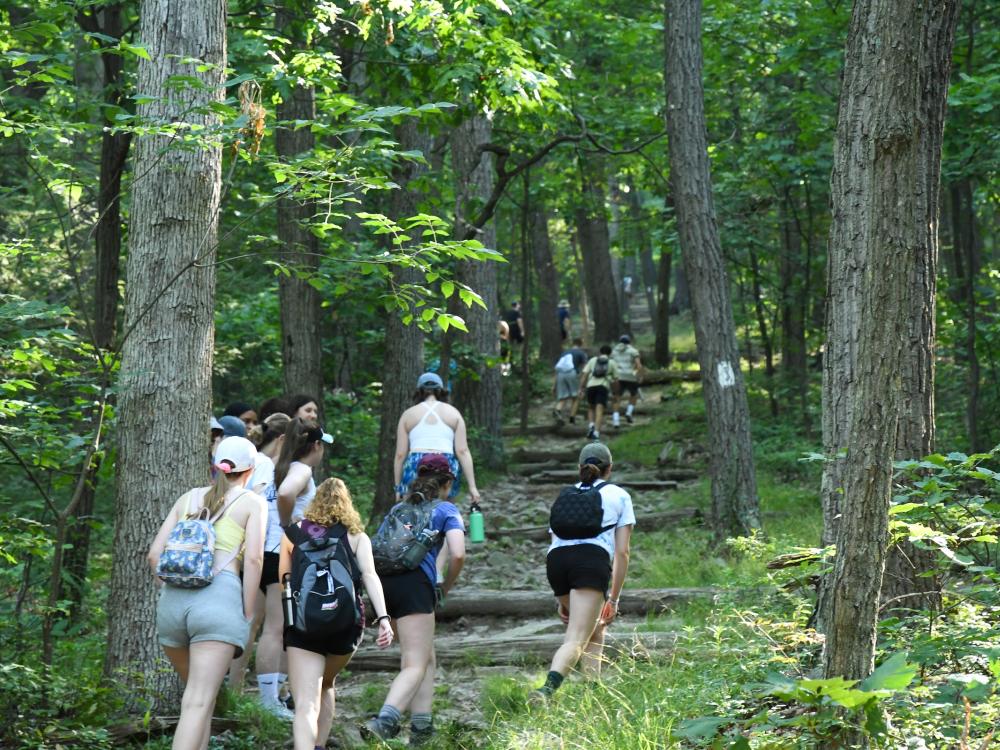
[202, 629]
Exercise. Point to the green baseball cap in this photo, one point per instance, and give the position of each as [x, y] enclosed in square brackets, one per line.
[595, 453]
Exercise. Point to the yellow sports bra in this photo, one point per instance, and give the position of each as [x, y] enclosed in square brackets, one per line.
[229, 535]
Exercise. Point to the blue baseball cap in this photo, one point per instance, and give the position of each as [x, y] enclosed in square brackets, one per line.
[430, 380]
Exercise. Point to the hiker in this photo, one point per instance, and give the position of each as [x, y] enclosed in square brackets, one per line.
[303, 406]
[565, 322]
[512, 316]
[244, 412]
[432, 425]
[583, 564]
[269, 662]
[315, 660]
[627, 290]
[567, 380]
[411, 597]
[301, 453]
[203, 624]
[503, 329]
[596, 380]
[630, 371]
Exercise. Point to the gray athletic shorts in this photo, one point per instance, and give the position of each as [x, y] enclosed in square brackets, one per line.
[567, 385]
[213, 613]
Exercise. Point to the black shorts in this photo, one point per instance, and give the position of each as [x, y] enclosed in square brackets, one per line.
[338, 645]
[632, 386]
[579, 566]
[408, 593]
[597, 394]
[269, 571]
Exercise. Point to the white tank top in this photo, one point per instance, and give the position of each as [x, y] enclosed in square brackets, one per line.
[303, 500]
[426, 437]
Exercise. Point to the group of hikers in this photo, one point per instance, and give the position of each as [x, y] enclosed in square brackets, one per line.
[262, 550]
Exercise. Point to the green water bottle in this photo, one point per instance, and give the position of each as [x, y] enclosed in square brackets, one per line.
[476, 531]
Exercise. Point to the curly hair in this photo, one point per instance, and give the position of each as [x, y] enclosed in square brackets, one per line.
[332, 505]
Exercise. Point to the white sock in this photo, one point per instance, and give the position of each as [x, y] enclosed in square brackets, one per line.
[268, 686]
[629, 409]
[615, 419]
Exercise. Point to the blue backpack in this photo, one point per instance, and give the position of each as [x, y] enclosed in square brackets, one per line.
[188, 559]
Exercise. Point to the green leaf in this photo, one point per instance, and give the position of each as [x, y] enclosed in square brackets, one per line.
[700, 729]
[447, 289]
[134, 49]
[895, 673]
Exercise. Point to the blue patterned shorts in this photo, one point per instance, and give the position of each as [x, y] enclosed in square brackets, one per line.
[410, 472]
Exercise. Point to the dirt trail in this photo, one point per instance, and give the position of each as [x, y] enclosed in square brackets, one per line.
[509, 562]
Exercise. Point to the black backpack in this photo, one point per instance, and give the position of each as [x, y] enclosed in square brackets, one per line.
[398, 533]
[324, 583]
[578, 513]
[601, 367]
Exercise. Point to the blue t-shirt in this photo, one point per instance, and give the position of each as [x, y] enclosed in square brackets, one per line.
[444, 518]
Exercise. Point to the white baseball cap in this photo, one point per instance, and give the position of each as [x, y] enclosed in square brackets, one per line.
[235, 455]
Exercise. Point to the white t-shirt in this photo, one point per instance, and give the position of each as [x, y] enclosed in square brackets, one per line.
[617, 505]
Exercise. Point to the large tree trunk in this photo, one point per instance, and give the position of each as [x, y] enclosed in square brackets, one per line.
[884, 190]
[794, 273]
[166, 370]
[480, 398]
[967, 252]
[403, 360]
[595, 247]
[548, 284]
[735, 507]
[301, 342]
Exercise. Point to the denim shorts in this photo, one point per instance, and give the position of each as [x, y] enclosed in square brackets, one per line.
[213, 613]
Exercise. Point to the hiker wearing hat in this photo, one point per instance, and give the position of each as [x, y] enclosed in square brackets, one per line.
[597, 380]
[203, 614]
[411, 592]
[432, 425]
[586, 564]
[565, 322]
[630, 370]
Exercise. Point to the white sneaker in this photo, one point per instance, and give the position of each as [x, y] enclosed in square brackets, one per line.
[279, 710]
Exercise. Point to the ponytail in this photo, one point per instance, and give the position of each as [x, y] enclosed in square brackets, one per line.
[296, 446]
[214, 499]
[426, 487]
[590, 473]
[269, 430]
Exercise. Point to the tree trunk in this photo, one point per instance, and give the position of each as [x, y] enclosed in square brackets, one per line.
[480, 398]
[548, 284]
[301, 341]
[735, 507]
[166, 366]
[592, 230]
[967, 250]
[760, 312]
[662, 319]
[107, 247]
[682, 291]
[884, 190]
[794, 284]
[403, 360]
[584, 305]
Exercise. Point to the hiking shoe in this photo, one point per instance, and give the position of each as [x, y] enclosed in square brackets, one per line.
[280, 710]
[538, 698]
[592, 433]
[420, 736]
[630, 419]
[572, 420]
[375, 728]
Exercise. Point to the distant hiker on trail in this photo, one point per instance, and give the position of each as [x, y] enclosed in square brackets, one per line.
[503, 329]
[300, 454]
[512, 316]
[565, 322]
[317, 648]
[589, 552]
[597, 379]
[567, 380]
[411, 592]
[432, 425]
[269, 662]
[204, 610]
[242, 411]
[627, 289]
[630, 371]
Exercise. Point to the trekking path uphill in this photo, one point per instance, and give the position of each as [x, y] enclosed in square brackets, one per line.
[501, 617]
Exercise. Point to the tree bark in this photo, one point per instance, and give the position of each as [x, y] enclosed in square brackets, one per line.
[682, 291]
[548, 284]
[735, 507]
[479, 398]
[967, 252]
[301, 340]
[592, 230]
[166, 366]
[794, 283]
[403, 359]
[884, 189]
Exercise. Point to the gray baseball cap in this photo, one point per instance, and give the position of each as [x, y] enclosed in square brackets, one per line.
[430, 380]
[595, 453]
